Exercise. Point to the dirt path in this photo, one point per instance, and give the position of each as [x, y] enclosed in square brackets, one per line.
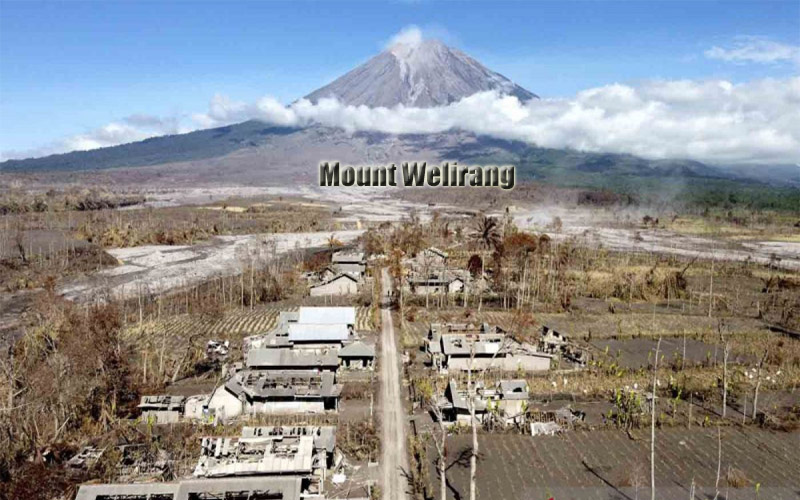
[393, 460]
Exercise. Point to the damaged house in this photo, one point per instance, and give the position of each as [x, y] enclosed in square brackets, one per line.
[352, 263]
[357, 355]
[239, 488]
[303, 451]
[437, 282]
[429, 258]
[162, 409]
[454, 347]
[284, 358]
[556, 343]
[275, 391]
[292, 369]
[506, 402]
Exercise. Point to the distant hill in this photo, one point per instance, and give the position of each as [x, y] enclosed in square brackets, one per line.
[199, 145]
[256, 153]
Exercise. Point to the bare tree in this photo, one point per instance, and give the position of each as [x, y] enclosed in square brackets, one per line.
[653, 425]
[19, 243]
[473, 458]
[726, 353]
[758, 382]
[719, 461]
[441, 444]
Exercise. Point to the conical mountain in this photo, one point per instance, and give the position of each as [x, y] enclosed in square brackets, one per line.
[422, 74]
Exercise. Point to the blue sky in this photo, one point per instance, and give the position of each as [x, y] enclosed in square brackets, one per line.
[69, 67]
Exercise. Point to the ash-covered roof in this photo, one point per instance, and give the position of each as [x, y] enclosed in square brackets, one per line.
[357, 349]
[327, 315]
[340, 257]
[298, 384]
[455, 344]
[290, 358]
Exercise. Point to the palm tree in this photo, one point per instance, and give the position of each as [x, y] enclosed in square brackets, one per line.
[487, 235]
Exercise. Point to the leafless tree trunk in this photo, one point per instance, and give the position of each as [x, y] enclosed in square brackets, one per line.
[719, 461]
[725, 354]
[653, 425]
[473, 458]
[758, 383]
[711, 291]
[441, 447]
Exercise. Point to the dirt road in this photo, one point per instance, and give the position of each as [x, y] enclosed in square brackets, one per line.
[393, 461]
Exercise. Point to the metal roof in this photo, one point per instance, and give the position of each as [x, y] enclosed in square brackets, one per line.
[310, 332]
[290, 456]
[288, 488]
[162, 402]
[298, 384]
[290, 358]
[327, 315]
[324, 436]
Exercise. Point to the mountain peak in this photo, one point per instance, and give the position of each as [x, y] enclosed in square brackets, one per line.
[417, 72]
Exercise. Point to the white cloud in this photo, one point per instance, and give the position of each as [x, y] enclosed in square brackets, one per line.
[753, 49]
[410, 35]
[713, 121]
[129, 129]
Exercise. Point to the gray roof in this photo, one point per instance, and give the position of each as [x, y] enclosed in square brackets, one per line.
[455, 344]
[357, 349]
[436, 278]
[289, 488]
[459, 399]
[162, 402]
[299, 384]
[350, 267]
[513, 389]
[356, 257]
[324, 436]
[337, 277]
[290, 358]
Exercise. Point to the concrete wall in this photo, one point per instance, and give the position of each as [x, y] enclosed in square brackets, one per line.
[224, 404]
[528, 363]
[161, 416]
[276, 407]
[342, 286]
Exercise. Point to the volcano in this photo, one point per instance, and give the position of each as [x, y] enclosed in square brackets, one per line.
[420, 74]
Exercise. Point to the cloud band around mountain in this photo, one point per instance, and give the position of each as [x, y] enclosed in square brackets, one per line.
[712, 121]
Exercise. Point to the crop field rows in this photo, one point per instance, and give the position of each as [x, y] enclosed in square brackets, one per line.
[238, 323]
[364, 319]
[587, 465]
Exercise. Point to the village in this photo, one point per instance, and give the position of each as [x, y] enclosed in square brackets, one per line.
[424, 357]
[275, 415]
